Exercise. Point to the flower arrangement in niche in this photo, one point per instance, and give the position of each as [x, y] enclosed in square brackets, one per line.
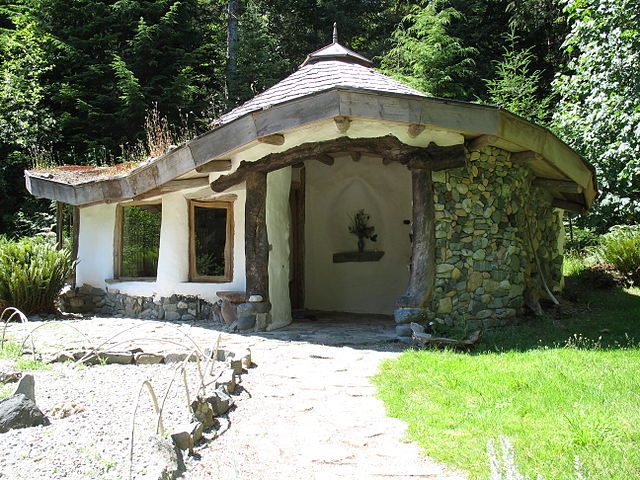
[361, 228]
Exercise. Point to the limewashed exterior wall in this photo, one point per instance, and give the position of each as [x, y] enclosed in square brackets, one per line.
[489, 220]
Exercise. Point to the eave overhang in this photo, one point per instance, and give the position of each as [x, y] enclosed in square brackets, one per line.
[509, 131]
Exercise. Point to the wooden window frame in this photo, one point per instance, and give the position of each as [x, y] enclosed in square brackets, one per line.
[228, 246]
[117, 247]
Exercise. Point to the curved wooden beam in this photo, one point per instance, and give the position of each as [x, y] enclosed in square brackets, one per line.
[389, 148]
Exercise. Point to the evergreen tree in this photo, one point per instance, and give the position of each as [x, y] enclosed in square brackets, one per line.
[516, 88]
[426, 56]
[114, 59]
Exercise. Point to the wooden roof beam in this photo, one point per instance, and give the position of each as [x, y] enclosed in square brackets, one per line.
[388, 146]
[275, 139]
[526, 156]
[483, 141]
[342, 123]
[568, 206]
[174, 186]
[414, 130]
[563, 186]
[214, 166]
[436, 158]
[326, 159]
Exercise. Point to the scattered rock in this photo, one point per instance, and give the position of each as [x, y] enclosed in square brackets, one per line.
[164, 460]
[245, 358]
[19, 411]
[235, 364]
[172, 316]
[26, 387]
[246, 321]
[403, 331]
[227, 380]
[64, 410]
[123, 358]
[220, 402]
[62, 357]
[203, 412]
[185, 436]
[179, 357]
[8, 374]
[228, 311]
[147, 358]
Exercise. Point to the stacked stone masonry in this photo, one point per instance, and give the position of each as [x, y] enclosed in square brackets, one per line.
[497, 240]
[112, 302]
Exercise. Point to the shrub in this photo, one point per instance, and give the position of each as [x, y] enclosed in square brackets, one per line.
[32, 274]
[582, 239]
[621, 249]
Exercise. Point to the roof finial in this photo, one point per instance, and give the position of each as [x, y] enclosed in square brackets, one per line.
[335, 32]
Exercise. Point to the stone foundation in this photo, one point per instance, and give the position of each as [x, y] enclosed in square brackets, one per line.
[496, 239]
[88, 299]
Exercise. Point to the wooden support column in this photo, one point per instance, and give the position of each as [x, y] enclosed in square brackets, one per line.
[75, 220]
[256, 241]
[422, 277]
[60, 225]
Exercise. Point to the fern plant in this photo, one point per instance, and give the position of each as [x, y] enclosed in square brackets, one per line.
[32, 274]
[621, 248]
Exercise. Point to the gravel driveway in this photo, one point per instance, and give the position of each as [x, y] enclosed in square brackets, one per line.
[305, 411]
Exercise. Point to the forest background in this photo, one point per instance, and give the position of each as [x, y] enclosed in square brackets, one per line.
[83, 81]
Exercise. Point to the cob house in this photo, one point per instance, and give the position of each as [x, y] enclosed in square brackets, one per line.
[252, 219]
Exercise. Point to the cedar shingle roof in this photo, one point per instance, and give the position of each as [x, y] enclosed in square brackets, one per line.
[325, 69]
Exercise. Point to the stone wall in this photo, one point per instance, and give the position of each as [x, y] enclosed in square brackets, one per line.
[88, 299]
[489, 220]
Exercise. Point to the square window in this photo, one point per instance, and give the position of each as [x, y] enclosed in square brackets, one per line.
[211, 241]
[138, 240]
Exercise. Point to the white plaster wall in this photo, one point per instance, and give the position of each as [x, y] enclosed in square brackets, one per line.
[333, 194]
[279, 231]
[95, 245]
[173, 261]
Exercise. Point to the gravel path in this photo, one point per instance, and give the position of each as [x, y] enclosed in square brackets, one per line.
[306, 411]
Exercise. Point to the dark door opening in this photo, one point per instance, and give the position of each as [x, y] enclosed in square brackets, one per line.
[296, 282]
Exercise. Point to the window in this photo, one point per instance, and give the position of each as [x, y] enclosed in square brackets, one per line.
[211, 241]
[138, 240]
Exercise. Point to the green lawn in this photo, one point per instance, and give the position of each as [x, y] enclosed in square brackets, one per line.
[552, 401]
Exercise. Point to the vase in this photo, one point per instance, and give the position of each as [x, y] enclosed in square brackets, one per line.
[360, 244]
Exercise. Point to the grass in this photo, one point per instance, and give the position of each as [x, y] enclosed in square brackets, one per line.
[556, 387]
[12, 351]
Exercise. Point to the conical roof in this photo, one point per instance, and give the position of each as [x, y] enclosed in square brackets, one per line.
[333, 66]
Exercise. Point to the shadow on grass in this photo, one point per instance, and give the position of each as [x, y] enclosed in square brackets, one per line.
[606, 319]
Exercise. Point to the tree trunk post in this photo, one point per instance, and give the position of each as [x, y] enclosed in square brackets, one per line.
[256, 241]
[59, 224]
[75, 219]
[422, 276]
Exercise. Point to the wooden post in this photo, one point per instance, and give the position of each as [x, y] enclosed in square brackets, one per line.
[59, 224]
[75, 221]
[421, 280]
[256, 241]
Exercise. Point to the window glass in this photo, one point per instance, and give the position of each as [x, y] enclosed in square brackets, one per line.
[210, 241]
[140, 240]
